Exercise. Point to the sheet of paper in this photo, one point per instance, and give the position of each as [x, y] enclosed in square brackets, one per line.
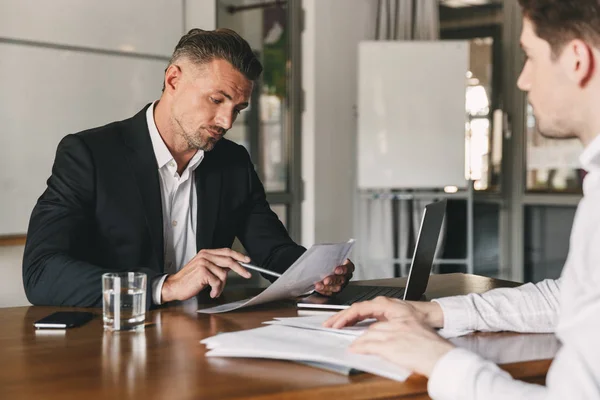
[289, 343]
[316, 323]
[313, 266]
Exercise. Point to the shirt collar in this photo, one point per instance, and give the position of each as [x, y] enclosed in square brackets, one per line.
[590, 158]
[161, 152]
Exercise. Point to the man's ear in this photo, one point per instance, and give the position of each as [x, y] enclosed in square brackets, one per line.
[172, 77]
[580, 61]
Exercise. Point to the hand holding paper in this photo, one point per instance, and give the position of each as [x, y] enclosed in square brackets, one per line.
[316, 264]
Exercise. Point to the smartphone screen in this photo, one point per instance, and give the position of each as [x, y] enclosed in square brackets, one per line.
[64, 319]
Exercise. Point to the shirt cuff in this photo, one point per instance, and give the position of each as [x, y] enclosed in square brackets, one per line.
[157, 285]
[450, 376]
[457, 313]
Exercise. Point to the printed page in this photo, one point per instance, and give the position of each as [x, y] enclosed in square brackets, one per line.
[289, 343]
[313, 266]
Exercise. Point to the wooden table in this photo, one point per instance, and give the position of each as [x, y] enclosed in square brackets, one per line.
[166, 361]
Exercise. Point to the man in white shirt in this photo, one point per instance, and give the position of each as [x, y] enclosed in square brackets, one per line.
[163, 192]
[562, 78]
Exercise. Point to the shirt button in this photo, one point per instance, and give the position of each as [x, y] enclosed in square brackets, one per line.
[171, 164]
[174, 223]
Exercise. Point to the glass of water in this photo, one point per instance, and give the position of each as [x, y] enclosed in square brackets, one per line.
[124, 301]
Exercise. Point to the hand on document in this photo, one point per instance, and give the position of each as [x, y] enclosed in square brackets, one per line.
[385, 309]
[409, 344]
[208, 268]
[315, 265]
[304, 339]
[404, 336]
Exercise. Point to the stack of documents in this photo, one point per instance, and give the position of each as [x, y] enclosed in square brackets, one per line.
[315, 347]
[305, 340]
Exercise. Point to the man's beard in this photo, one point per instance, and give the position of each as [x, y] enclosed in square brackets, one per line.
[198, 141]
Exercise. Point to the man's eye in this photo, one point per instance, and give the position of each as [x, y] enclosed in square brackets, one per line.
[215, 100]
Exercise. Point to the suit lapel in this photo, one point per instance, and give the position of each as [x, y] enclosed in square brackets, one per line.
[145, 170]
[209, 178]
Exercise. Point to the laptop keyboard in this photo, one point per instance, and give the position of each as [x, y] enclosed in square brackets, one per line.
[397, 293]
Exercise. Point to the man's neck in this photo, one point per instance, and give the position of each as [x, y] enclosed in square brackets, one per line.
[177, 146]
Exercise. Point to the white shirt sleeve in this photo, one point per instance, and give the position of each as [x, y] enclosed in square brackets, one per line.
[157, 285]
[527, 308]
[574, 374]
[575, 371]
[463, 375]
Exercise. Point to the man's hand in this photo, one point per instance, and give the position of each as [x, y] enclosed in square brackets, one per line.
[386, 309]
[336, 282]
[207, 268]
[411, 344]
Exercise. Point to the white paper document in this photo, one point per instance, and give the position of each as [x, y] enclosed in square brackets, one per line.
[316, 323]
[290, 343]
[313, 266]
[305, 340]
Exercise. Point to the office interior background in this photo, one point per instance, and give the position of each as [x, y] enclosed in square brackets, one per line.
[67, 64]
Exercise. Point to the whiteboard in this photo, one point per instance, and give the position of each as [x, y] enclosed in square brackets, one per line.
[48, 93]
[411, 114]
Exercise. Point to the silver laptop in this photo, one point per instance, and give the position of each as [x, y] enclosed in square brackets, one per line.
[418, 277]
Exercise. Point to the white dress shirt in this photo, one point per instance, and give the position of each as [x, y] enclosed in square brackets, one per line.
[179, 206]
[569, 306]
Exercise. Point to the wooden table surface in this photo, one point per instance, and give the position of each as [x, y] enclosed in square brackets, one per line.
[166, 360]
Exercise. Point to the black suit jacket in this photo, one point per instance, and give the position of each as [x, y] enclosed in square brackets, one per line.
[102, 212]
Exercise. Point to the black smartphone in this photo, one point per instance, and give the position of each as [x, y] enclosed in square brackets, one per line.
[63, 320]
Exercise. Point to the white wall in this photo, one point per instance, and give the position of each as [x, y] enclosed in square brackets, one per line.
[147, 27]
[333, 29]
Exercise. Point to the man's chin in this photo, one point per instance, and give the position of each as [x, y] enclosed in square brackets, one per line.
[555, 133]
[205, 145]
[208, 145]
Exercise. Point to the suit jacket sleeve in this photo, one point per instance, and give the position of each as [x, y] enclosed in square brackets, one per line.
[262, 234]
[57, 266]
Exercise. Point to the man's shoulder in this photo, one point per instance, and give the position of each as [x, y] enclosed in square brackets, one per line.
[100, 132]
[105, 132]
[111, 136]
[229, 152]
[227, 146]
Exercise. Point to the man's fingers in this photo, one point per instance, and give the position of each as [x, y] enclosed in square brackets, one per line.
[227, 262]
[215, 283]
[241, 271]
[350, 265]
[325, 292]
[218, 272]
[354, 314]
[341, 270]
[227, 253]
[332, 280]
[346, 268]
[375, 346]
[391, 326]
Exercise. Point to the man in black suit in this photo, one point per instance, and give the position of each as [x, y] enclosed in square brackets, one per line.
[162, 192]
